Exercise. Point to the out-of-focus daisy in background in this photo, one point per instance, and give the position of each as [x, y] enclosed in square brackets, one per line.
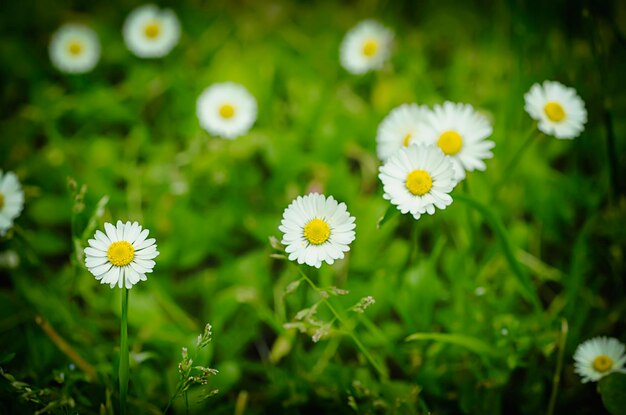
[74, 48]
[11, 200]
[226, 110]
[365, 47]
[559, 111]
[150, 32]
[400, 128]
[122, 256]
[599, 357]
[417, 179]
[460, 132]
[317, 229]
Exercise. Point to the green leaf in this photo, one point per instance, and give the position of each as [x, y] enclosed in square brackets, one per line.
[612, 388]
[391, 212]
[524, 281]
[470, 343]
[6, 358]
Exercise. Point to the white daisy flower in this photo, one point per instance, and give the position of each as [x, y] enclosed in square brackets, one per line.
[226, 110]
[365, 47]
[150, 32]
[460, 132]
[11, 200]
[401, 127]
[417, 179]
[74, 48]
[558, 109]
[122, 256]
[599, 357]
[316, 229]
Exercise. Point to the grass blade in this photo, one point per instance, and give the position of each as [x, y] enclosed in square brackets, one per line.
[468, 342]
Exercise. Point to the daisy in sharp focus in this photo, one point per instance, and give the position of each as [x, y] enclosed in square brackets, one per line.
[365, 47]
[122, 256]
[150, 32]
[226, 110]
[558, 109]
[401, 127]
[316, 229]
[460, 132]
[599, 357]
[11, 200]
[74, 48]
[417, 179]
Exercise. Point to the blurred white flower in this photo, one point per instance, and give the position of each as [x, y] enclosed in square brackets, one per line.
[558, 109]
[316, 229]
[122, 256]
[417, 179]
[599, 357]
[9, 259]
[226, 110]
[74, 48]
[401, 127]
[365, 47]
[461, 133]
[11, 200]
[150, 32]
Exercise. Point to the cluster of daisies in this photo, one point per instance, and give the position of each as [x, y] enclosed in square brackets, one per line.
[149, 32]
[225, 109]
[424, 153]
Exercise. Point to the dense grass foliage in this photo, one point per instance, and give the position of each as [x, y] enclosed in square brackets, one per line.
[473, 305]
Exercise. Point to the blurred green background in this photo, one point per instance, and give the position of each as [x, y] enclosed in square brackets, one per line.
[128, 131]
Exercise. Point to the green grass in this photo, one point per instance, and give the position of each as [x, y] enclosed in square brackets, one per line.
[469, 303]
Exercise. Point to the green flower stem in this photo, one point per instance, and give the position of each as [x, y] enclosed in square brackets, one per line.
[123, 370]
[512, 164]
[414, 252]
[559, 367]
[179, 387]
[381, 371]
[470, 219]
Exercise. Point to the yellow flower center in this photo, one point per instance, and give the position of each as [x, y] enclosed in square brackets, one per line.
[152, 29]
[1, 200]
[554, 111]
[227, 111]
[120, 253]
[75, 47]
[602, 363]
[317, 231]
[419, 182]
[370, 47]
[450, 142]
[406, 140]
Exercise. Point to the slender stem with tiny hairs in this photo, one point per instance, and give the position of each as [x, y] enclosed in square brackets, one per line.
[123, 369]
[559, 367]
[514, 161]
[381, 371]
